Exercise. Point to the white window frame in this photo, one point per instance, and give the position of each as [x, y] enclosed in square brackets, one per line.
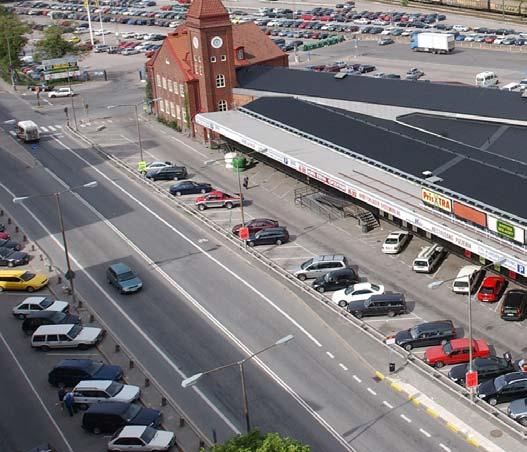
[220, 81]
[222, 105]
[172, 109]
[223, 58]
[213, 59]
[158, 80]
[169, 82]
[182, 90]
[164, 83]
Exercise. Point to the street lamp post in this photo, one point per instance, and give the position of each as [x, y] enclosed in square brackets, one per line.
[435, 284]
[190, 381]
[70, 274]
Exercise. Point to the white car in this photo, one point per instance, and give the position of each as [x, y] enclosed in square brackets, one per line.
[61, 92]
[470, 38]
[93, 391]
[357, 292]
[460, 28]
[47, 337]
[395, 242]
[37, 304]
[129, 52]
[141, 438]
[157, 165]
[361, 21]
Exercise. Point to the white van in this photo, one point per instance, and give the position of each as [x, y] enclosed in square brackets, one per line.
[47, 337]
[487, 78]
[428, 258]
[27, 131]
[511, 87]
[467, 279]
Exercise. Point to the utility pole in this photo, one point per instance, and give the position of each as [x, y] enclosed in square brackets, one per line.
[11, 68]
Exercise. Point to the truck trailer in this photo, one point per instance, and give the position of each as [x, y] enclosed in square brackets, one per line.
[432, 42]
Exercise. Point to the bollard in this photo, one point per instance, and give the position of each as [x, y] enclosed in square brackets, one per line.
[1, 212]
[9, 221]
[117, 348]
[131, 364]
[181, 422]
[163, 401]
[92, 318]
[40, 258]
[147, 382]
[392, 367]
[50, 268]
[24, 238]
[80, 304]
[59, 279]
[32, 247]
[16, 229]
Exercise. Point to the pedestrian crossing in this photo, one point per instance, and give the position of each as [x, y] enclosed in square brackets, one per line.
[46, 129]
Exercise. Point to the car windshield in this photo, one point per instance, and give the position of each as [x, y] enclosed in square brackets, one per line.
[75, 330]
[447, 348]
[126, 276]
[349, 290]
[460, 283]
[148, 434]
[375, 287]
[487, 290]
[27, 276]
[391, 241]
[414, 332]
[306, 264]
[500, 382]
[114, 388]
[46, 303]
[132, 412]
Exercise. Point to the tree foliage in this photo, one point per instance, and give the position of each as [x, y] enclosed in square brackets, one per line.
[12, 39]
[254, 441]
[53, 44]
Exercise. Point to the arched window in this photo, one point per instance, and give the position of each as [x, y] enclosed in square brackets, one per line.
[222, 105]
[220, 81]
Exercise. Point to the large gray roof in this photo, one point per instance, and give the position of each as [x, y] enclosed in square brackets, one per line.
[420, 95]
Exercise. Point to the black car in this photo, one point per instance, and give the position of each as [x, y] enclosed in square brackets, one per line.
[364, 68]
[10, 257]
[269, 236]
[487, 368]
[10, 244]
[107, 417]
[504, 388]
[514, 305]
[389, 304]
[35, 319]
[190, 188]
[335, 280]
[167, 173]
[425, 334]
[69, 372]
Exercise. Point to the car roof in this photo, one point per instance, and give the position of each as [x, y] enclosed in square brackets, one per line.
[514, 376]
[132, 431]
[120, 267]
[74, 362]
[94, 384]
[491, 280]
[515, 297]
[12, 272]
[42, 314]
[35, 300]
[328, 257]
[109, 407]
[54, 329]
[362, 285]
[434, 324]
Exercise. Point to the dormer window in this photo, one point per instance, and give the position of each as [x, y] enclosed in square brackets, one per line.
[240, 53]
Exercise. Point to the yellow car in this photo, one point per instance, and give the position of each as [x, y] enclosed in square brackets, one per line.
[21, 280]
[74, 39]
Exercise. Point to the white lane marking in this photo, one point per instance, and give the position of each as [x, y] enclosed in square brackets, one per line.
[189, 146]
[47, 101]
[12, 132]
[406, 418]
[52, 128]
[241, 280]
[44, 129]
[30, 384]
[109, 120]
[357, 378]
[442, 446]
[389, 405]
[58, 126]
[424, 432]
[343, 366]
[145, 336]
[371, 391]
[331, 355]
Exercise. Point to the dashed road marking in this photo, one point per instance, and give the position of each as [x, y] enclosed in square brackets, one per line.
[52, 128]
[58, 126]
[424, 432]
[371, 391]
[343, 366]
[331, 355]
[357, 378]
[44, 129]
[388, 404]
[442, 446]
[406, 418]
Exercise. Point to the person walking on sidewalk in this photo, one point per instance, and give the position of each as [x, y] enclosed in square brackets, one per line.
[246, 182]
[69, 402]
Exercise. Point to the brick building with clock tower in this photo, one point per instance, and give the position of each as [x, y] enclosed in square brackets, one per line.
[194, 71]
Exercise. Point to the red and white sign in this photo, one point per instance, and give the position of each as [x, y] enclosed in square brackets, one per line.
[471, 379]
[244, 233]
[436, 199]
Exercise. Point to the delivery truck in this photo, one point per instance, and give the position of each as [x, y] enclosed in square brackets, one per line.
[27, 131]
[432, 42]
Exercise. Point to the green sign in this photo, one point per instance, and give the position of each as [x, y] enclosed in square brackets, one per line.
[505, 229]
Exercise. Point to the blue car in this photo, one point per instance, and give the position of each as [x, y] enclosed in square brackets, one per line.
[190, 187]
[460, 37]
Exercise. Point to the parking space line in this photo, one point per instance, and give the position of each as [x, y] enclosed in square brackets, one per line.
[424, 432]
[406, 418]
[331, 355]
[371, 391]
[357, 379]
[442, 446]
[384, 402]
[343, 366]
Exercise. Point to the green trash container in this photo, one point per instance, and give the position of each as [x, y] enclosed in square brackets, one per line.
[239, 163]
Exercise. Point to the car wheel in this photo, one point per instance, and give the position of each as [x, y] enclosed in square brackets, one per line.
[30, 289]
[203, 191]
[44, 348]
[229, 205]
[20, 316]
[321, 289]
[96, 430]
[1, 289]
[301, 277]
[391, 314]
[10, 264]
[250, 243]
[83, 346]
[52, 97]
[278, 242]
[408, 347]
[439, 364]
[523, 421]
[178, 193]
[493, 401]
[342, 303]
[202, 207]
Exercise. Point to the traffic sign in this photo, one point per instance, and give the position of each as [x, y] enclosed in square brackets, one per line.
[34, 148]
[244, 233]
[471, 379]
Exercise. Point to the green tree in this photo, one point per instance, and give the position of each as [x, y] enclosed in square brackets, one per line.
[254, 441]
[12, 40]
[53, 44]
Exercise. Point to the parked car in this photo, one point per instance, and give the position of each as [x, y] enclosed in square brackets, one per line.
[487, 368]
[87, 392]
[514, 306]
[124, 278]
[35, 319]
[504, 388]
[359, 291]
[385, 41]
[455, 351]
[395, 242]
[319, 266]
[158, 165]
[269, 236]
[107, 417]
[426, 334]
[167, 173]
[70, 372]
[21, 280]
[255, 225]
[418, 73]
[61, 92]
[39, 304]
[364, 68]
[190, 188]
[217, 198]
[335, 280]
[11, 258]
[492, 288]
[141, 438]
[10, 244]
[389, 304]
[517, 410]
[66, 336]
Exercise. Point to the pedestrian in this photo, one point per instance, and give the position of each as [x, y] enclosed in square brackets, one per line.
[61, 393]
[246, 182]
[69, 402]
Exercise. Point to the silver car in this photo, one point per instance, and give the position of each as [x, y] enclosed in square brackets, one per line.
[319, 266]
[518, 411]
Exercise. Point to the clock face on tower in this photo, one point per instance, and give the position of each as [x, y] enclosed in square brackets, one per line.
[216, 42]
[195, 42]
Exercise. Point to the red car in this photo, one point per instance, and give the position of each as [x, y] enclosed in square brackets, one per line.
[5, 235]
[492, 288]
[455, 352]
[217, 199]
[255, 225]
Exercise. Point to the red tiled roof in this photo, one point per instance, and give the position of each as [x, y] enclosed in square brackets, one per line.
[200, 9]
[178, 46]
[258, 47]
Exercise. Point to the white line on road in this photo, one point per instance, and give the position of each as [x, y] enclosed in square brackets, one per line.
[44, 129]
[331, 355]
[371, 391]
[357, 378]
[388, 404]
[52, 128]
[442, 446]
[406, 418]
[28, 381]
[424, 432]
[58, 126]
[343, 366]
